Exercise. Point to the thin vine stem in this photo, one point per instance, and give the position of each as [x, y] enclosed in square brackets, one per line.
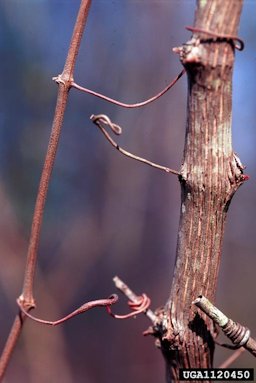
[27, 293]
[65, 79]
[64, 85]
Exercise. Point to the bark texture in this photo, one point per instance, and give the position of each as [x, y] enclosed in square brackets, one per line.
[210, 175]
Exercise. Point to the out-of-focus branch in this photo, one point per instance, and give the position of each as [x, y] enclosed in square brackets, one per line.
[232, 358]
[125, 105]
[101, 119]
[64, 80]
[238, 334]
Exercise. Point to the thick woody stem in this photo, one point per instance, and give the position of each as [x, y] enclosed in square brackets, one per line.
[210, 175]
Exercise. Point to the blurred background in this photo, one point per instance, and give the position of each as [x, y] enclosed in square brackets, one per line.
[107, 215]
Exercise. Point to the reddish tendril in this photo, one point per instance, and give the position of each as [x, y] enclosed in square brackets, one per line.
[101, 119]
[234, 39]
[138, 307]
[125, 105]
[85, 307]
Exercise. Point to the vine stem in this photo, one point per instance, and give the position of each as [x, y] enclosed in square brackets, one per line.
[27, 297]
[64, 81]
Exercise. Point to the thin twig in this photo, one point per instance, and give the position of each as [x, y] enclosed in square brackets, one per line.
[236, 354]
[124, 105]
[120, 285]
[103, 119]
[64, 81]
[85, 307]
[238, 334]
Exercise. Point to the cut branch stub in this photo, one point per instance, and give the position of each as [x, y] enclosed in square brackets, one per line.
[239, 335]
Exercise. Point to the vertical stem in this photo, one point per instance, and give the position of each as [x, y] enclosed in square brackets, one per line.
[10, 344]
[68, 71]
[210, 175]
[27, 294]
[64, 81]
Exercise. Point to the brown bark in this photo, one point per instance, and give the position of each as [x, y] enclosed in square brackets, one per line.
[210, 175]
